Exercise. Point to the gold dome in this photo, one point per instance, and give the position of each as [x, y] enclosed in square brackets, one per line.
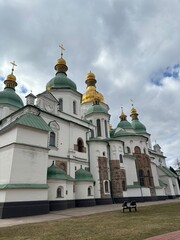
[61, 65]
[91, 94]
[134, 113]
[122, 116]
[61, 61]
[11, 77]
[90, 75]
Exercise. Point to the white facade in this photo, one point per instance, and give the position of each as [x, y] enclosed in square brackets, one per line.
[56, 150]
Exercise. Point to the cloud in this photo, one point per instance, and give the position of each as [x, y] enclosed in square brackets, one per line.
[1, 78]
[171, 73]
[23, 89]
[132, 46]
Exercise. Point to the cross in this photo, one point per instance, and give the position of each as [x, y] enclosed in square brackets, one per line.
[14, 65]
[132, 102]
[62, 49]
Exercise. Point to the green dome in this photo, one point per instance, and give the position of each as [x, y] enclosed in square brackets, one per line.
[83, 175]
[122, 132]
[124, 124]
[112, 131]
[138, 126]
[9, 96]
[96, 109]
[55, 172]
[61, 81]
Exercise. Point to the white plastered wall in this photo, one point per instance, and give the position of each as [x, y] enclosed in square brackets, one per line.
[81, 190]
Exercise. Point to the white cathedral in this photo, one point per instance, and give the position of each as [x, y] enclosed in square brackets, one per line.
[59, 151]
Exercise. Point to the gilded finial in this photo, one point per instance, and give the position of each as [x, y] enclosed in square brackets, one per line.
[134, 113]
[62, 49]
[14, 65]
[122, 116]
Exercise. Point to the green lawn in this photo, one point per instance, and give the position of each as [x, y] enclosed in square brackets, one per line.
[146, 222]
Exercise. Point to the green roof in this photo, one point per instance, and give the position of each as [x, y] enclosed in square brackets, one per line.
[34, 121]
[122, 132]
[124, 124]
[83, 175]
[9, 96]
[97, 108]
[61, 81]
[57, 173]
[23, 186]
[138, 126]
[30, 120]
[168, 172]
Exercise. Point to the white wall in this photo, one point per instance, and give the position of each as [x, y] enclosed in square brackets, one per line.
[6, 157]
[96, 150]
[68, 193]
[26, 195]
[155, 174]
[68, 97]
[131, 173]
[81, 190]
[8, 137]
[29, 165]
[32, 136]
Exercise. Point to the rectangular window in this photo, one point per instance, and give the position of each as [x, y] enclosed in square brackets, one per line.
[74, 107]
[60, 104]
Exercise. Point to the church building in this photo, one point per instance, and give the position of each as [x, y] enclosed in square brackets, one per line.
[58, 151]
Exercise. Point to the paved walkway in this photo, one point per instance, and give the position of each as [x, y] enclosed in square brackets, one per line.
[78, 212]
[167, 236]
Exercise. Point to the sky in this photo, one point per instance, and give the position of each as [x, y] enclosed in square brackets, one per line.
[132, 46]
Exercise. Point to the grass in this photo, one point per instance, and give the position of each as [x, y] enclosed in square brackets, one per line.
[146, 222]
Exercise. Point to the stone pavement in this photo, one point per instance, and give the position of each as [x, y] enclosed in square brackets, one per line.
[83, 211]
[167, 236]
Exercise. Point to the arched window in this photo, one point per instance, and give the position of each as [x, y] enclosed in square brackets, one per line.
[105, 126]
[92, 133]
[80, 145]
[90, 191]
[98, 128]
[60, 103]
[121, 158]
[144, 151]
[149, 178]
[128, 150]
[141, 177]
[52, 139]
[60, 193]
[137, 149]
[106, 186]
[74, 107]
[124, 185]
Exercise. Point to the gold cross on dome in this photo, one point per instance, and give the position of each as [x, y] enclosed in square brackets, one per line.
[62, 49]
[14, 65]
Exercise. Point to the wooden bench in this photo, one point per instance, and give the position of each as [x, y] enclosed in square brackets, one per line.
[129, 206]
